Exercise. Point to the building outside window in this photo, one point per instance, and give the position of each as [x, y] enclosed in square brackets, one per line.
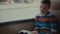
[15, 1]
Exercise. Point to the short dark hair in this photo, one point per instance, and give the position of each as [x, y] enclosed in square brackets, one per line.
[46, 2]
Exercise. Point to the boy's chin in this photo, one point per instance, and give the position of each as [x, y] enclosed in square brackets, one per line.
[44, 12]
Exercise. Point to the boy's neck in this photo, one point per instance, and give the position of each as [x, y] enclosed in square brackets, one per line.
[45, 13]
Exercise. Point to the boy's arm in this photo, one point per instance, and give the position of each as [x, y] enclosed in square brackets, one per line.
[36, 28]
[54, 23]
[36, 25]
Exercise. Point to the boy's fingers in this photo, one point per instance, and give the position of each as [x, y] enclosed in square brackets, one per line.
[34, 32]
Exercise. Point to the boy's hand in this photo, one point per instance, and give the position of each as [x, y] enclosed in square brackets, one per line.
[35, 32]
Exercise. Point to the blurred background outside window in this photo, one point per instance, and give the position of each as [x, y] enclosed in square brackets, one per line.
[15, 1]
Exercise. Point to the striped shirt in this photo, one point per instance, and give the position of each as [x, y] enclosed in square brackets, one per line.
[45, 22]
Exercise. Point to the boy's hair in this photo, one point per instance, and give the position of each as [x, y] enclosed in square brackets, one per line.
[46, 2]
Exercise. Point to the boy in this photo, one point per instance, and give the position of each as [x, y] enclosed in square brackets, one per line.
[45, 22]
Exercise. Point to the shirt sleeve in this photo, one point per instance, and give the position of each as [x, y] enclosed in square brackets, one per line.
[53, 24]
[36, 24]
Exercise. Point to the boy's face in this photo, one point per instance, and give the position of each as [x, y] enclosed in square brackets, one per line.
[44, 8]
